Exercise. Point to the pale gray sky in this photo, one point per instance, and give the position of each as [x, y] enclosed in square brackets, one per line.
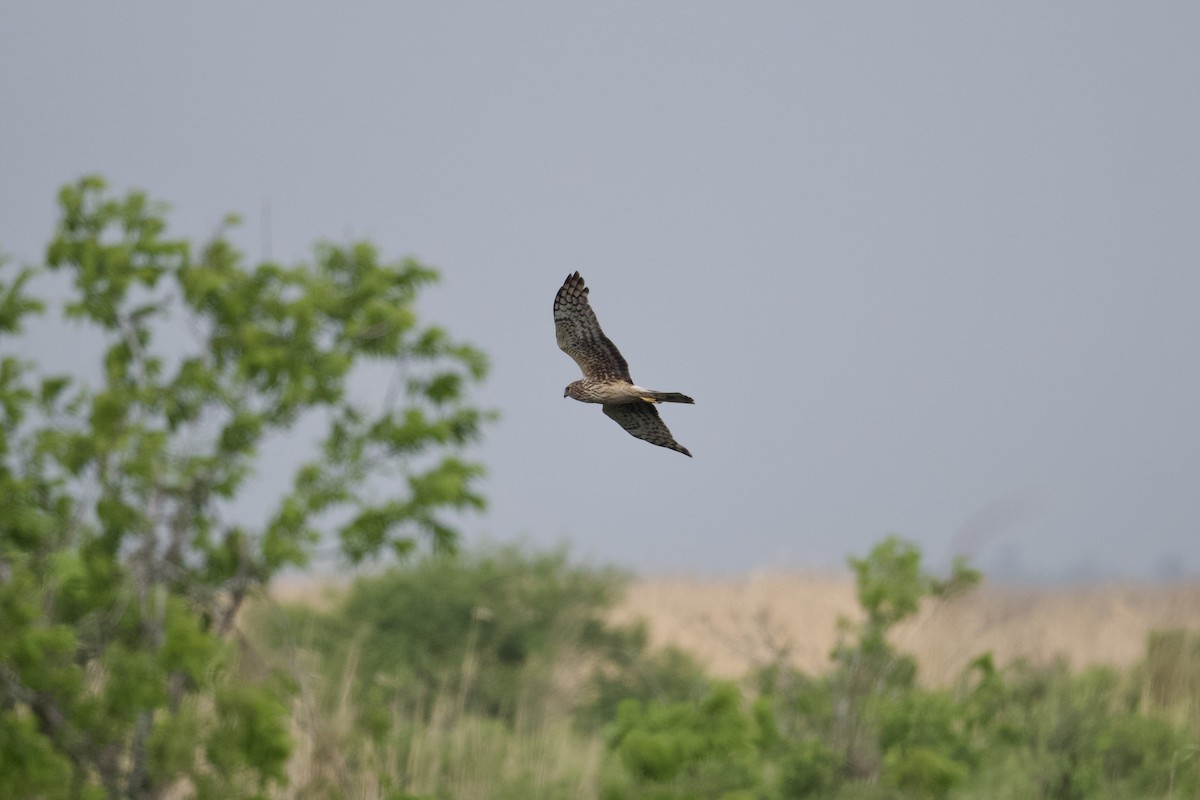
[922, 266]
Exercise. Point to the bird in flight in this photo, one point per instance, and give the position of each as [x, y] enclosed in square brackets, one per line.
[605, 374]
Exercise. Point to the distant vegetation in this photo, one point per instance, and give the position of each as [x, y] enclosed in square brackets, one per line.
[495, 675]
[141, 655]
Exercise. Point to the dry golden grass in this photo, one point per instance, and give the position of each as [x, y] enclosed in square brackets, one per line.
[737, 623]
[734, 624]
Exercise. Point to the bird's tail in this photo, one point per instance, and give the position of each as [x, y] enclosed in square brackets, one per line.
[669, 397]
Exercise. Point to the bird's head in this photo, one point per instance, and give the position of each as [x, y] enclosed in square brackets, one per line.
[571, 390]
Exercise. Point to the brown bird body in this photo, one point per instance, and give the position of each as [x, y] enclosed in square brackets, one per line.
[606, 377]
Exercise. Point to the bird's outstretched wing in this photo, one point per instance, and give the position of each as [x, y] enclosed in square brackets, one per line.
[642, 420]
[579, 335]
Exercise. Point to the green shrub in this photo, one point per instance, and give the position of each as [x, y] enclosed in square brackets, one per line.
[922, 771]
[634, 672]
[923, 719]
[1137, 751]
[696, 749]
[810, 768]
[480, 623]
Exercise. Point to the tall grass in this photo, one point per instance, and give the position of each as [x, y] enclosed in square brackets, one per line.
[434, 746]
[454, 679]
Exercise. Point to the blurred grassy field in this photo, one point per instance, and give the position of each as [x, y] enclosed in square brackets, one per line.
[734, 624]
[738, 623]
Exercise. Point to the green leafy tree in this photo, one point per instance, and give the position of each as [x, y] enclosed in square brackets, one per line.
[870, 674]
[122, 565]
[867, 722]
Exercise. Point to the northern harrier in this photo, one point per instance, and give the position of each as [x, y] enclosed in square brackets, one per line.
[605, 374]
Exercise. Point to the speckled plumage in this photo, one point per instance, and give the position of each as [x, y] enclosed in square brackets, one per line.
[606, 377]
